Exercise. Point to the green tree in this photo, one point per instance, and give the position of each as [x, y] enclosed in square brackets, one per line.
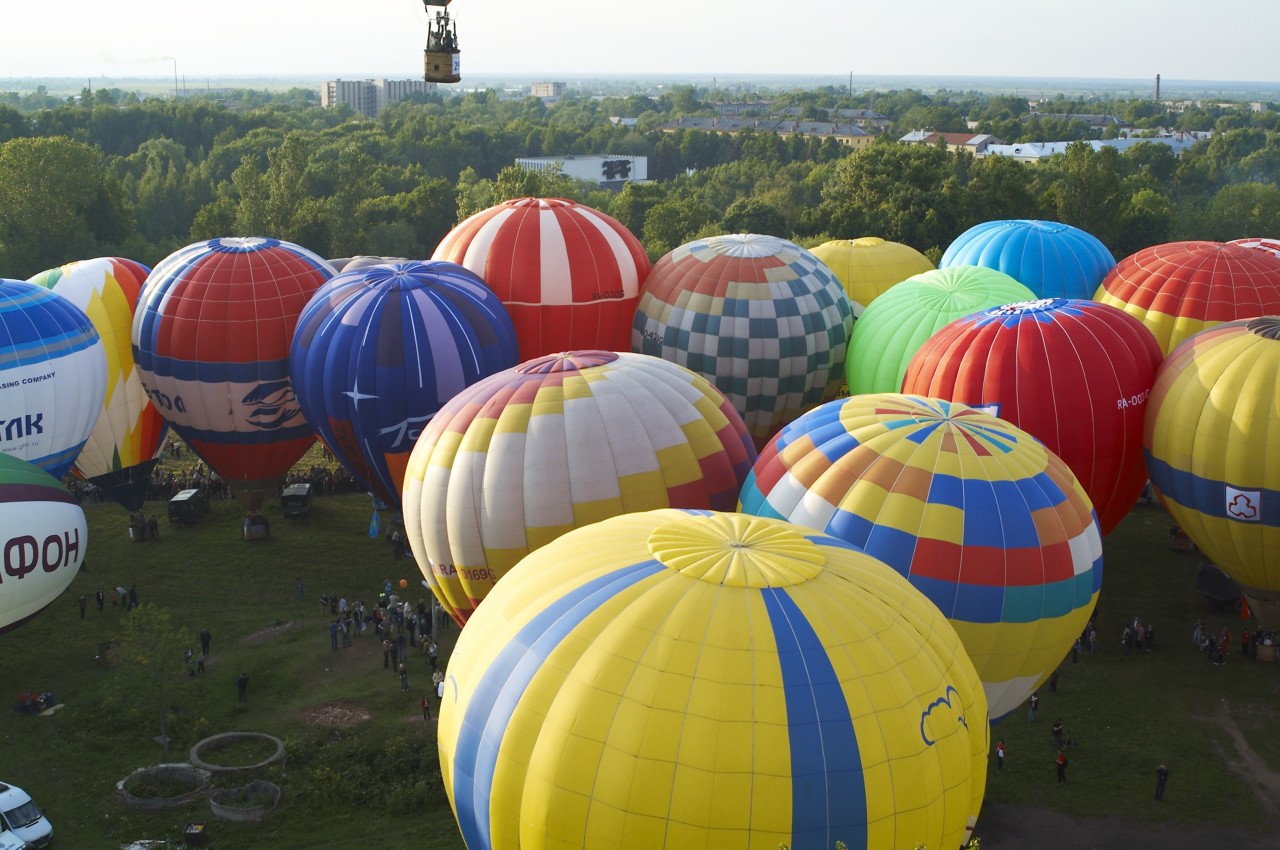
[1242, 210]
[154, 660]
[1085, 190]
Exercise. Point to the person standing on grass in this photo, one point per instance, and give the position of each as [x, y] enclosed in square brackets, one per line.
[1061, 762]
[333, 635]
[242, 687]
[205, 640]
[84, 604]
[404, 679]
[999, 755]
[1032, 705]
[1056, 730]
[426, 707]
[1162, 776]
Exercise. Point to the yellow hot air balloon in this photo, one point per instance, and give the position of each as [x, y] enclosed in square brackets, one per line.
[869, 265]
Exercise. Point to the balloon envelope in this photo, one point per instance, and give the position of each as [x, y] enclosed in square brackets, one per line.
[1179, 288]
[1073, 374]
[568, 274]
[43, 539]
[975, 512]
[53, 375]
[676, 679]
[1053, 260]
[894, 327]
[761, 317]
[868, 266]
[525, 455]
[378, 350]
[211, 339]
[1212, 426]
[129, 431]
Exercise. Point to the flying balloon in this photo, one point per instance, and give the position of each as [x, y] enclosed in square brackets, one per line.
[523, 456]
[378, 350]
[568, 274]
[53, 375]
[1179, 288]
[43, 539]
[211, 339]
[894, 327]
[868, 266]
[1212, 427]
[1073, 374]
[685, 679]
[126, 440]
[1053, 260]
[976, 513]
[761, 317]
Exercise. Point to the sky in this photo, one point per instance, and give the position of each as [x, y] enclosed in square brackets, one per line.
[1128, 39]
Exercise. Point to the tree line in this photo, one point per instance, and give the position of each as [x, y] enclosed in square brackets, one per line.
[110, 174]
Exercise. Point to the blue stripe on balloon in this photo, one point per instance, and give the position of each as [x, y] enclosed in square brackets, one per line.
[1205, 495]
[499, 690]
[59, 464]
[828, 796]
[212, 372]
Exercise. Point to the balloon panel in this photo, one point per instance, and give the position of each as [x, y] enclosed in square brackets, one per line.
[1052, 259]
[52, 376]
[867, 267]
[672, 679]
[990, 526]
[379, 350]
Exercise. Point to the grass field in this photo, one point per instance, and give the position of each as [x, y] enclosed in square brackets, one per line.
[376, 780]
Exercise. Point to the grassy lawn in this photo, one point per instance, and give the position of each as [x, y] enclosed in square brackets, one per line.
[379, 776]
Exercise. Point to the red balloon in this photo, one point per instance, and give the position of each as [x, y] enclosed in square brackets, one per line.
[568, 274]
[1074, 374]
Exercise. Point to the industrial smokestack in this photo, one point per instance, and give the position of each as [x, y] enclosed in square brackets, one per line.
[1157, 88]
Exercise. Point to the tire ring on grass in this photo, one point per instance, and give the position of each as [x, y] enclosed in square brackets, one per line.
[198, 776]
[227, 737]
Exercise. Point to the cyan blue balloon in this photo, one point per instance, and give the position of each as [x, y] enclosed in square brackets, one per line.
[378, 351]
[1051, 259]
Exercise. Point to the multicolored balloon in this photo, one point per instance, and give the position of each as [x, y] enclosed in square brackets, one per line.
[1213, 424]
[975, 512]
[1053, 260]
[761, 317]
[53, 375]
[43, 540]
[568, 274]
[378, 350]
[520, 458]
[685, 679]
[211, 339]
[894, 327]
[868, 266]
[1271, 246]
[1179, 288]
[1073, 374]
[129, 434]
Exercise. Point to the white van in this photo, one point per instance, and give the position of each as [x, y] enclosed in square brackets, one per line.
[21, 817]
[9, 841]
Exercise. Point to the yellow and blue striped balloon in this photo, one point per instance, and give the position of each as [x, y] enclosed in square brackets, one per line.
[675, 679]
[983, 519]
[1212, 428]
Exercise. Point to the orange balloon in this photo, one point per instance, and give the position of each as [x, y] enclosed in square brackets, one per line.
[404, 582]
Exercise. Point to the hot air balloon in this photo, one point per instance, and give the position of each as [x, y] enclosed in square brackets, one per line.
[1179, 288]
[761, 317]
[211, 339]
[1053, 260]
[684, 679]
[568, 274]
[1271, 246]
[525, 455]
[975, 512]
[868, 266]
[893, 328]
[378, 350]
[53, 375]
[126, 440]
[1213, 424]
[43, 539]
[1074, 374]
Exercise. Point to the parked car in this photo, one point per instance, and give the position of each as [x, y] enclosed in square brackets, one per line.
[188, 507]
[20, 817]
[296, 500]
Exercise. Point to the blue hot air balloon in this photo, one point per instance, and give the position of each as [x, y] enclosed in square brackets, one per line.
[1053, 260]
[53, 376]
[379, 350]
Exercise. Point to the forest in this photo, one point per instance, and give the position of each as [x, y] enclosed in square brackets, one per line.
[108, 173]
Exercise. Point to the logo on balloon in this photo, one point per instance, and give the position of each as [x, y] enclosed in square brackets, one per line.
[272, 404]
[945, 699]
[408, 430]
[1244, 505]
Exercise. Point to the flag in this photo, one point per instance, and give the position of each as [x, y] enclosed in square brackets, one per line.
[1245, 613]
[375, 525]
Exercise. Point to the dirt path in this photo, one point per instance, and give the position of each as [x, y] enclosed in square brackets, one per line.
[1252, 769]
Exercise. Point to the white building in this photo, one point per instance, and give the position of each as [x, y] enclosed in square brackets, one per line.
[368, 97]
[605, 170]
[547, 89]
